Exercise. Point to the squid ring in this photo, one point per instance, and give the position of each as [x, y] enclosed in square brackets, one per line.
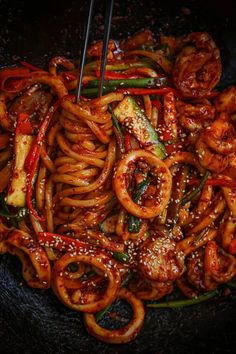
[122, 194]
[97, 259]
[220, 136]
[36, 266]
[124, 334]
[210, 160]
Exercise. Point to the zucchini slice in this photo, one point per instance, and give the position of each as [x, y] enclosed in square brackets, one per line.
[133, 118]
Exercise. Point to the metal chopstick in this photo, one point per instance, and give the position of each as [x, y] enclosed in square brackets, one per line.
[107, 25]
[84, 50]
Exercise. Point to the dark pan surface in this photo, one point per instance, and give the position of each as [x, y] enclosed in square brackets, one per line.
[34, 321]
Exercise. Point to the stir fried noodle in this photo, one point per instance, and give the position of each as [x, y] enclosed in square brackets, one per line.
[127, 196]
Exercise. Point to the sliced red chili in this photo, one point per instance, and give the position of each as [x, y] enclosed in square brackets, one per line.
[127, 142]
[32, 159]
[166, 135]
[30, 66]
[170, 148]
[157, 104]
[217, 182]
[24, 125]
[232, 246]
[60, 242]
[221, 182]
[109, 75]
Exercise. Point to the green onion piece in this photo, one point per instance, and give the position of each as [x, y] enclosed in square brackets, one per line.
[133, 224]
[22, 212]
[184, 303]
[133, 221]
[112, 85]
[3, 204]
[88, 275]
[116, 123]
[121, 256]
[100, 314]
[190, 196]
[135, 64]
[143, 82]
[141, 189]
[93, 92]
[120, 137]
[126, 279]
[72, 267]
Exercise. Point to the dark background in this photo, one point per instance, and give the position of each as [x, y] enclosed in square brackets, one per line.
[34, 321]
[37, 30]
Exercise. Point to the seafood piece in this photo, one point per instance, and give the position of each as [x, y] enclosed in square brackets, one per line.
[220, 136]
[125, 333]
[95, 50]
[36, 268]
[197, 68]
[195, 117]
[159, 260]
[210, 160]
[226, 100]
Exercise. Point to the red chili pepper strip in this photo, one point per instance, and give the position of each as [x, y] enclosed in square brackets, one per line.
[127, 142]
[62, 243]
[66, 244]
[217, 182]
[109, 75]
[173, 147]
[30, 66]
[33, 156]
[232, 246]
[157, 104]
[24, 125]
[29, 197]
[34, 152]
[166, 135]
[221, 182]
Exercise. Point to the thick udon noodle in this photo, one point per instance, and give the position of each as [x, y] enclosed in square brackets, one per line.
[89, 206]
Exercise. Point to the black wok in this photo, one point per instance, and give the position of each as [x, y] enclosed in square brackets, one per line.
[34, 321]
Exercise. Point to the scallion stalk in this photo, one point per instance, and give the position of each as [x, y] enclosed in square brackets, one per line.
[133, 221]
[191, 195]
[100, 314]
[140, 82]
[184, 303]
